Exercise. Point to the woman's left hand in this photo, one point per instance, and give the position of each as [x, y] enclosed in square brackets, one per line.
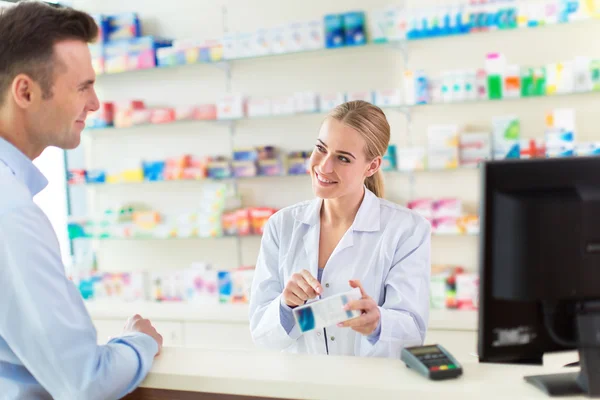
[368, 322]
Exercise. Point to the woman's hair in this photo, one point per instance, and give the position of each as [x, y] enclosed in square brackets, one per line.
[373, 126]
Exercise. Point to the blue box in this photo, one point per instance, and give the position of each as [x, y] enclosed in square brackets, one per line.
[354, 28]
[122, 26]
[334, 31]
[389, 162]
[154, 170]
[95, 176]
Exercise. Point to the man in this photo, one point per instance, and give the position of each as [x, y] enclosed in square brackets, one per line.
[48, 345]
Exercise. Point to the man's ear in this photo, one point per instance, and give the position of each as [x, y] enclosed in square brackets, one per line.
[24, 90]
[374, 166]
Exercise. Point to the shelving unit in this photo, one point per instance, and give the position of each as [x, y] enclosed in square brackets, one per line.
[406, 109]
[103, 149]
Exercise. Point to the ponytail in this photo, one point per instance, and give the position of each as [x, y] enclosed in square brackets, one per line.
[375, 184]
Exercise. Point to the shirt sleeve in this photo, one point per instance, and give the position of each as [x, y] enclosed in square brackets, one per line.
[405, 308]
[269, 318]
[45, 323]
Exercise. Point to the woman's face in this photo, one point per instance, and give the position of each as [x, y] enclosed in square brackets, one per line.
[338, 165]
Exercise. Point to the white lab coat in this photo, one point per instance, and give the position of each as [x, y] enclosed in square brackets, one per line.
[387, 248]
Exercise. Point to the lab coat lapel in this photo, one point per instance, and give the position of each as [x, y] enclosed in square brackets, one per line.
[311, 218]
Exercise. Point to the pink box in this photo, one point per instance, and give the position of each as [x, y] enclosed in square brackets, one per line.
[446, 225]
[424, 207]
[448, 207]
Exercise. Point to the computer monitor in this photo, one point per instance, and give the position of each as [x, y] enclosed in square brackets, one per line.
[540, 266]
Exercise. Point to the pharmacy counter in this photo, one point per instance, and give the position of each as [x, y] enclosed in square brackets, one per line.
[219, 374]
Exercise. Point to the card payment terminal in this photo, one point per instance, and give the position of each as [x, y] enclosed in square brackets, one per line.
[433, 362]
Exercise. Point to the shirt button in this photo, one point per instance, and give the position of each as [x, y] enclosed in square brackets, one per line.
[333, 338]
[318, 333]
[327, 285]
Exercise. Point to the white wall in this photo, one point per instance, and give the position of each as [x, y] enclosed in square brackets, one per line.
[363, 68]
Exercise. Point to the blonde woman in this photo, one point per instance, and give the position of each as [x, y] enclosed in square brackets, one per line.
[348, 237]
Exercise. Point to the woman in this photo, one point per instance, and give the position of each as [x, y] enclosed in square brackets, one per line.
[348, 237]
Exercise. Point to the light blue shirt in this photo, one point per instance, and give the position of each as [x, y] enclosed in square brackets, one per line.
[387, 248]
[48, 344]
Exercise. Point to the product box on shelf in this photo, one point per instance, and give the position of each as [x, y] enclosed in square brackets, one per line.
[102, 118]
[206, 112]
[467, 292]
[329, 101]
[355, 31]
[258, 107]
[362, 95]
[95, 176]
[587, 149]
[225, 286]
[76, 176]
[154, 170]
[124, 112]
[475, 147]
[261, 45]
[447, 207]
[278, 38]
[259, 217]
[334, 31]
[283, 105]
[560, 133]
[444, 288]
[506, 133]
[201, 284]
[121, 26]
[241, 284]
[313, 35]
[423, 207]
[162, 115]
[230, 107]
[246, 45]
[270, 167]
[295, 37]
[185, 113]
[445, 226]
[411, 159]
[244, 169]
[230, 47]
[306, 102]
[532, 148]
[389, 159]
[443, 150]
[388, 98]
[297, 162]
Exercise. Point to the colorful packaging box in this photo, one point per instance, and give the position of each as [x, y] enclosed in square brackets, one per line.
[389, 159]
[587, 149]
[467, 292]
[334, 31]
[388, 98]
[448, 207]
[326, 312]
[506, 134]
[230, 107]
[443, 151]
[532, 148]
[560, 133]
[423, 207]
[355, 32]
[329, 101]
[102, 118]
[411, 159]
[474, 148]
[121, 26]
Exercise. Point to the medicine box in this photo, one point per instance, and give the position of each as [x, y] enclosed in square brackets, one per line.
[326, 312]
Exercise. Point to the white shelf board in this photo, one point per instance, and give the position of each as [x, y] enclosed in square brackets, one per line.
[238, 314]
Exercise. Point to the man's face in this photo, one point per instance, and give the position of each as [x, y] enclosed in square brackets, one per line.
[59, 120]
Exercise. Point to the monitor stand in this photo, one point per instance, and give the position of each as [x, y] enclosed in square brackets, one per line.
[587, 381]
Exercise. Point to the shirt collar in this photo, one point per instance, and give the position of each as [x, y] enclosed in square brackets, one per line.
[367, 218]
[22, 167]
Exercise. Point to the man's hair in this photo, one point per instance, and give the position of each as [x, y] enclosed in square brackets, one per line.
[28, 33]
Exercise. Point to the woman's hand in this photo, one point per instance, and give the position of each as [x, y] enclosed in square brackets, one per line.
[368, 322]
[300, 288]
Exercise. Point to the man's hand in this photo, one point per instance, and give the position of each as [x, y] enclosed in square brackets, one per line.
[139, 324]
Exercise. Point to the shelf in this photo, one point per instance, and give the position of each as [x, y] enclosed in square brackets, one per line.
[403, 108]
[401, 45]
[170, 239]
[249, 179]
[238, 314]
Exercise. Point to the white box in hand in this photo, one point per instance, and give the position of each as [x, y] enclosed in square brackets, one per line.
[326, 312]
